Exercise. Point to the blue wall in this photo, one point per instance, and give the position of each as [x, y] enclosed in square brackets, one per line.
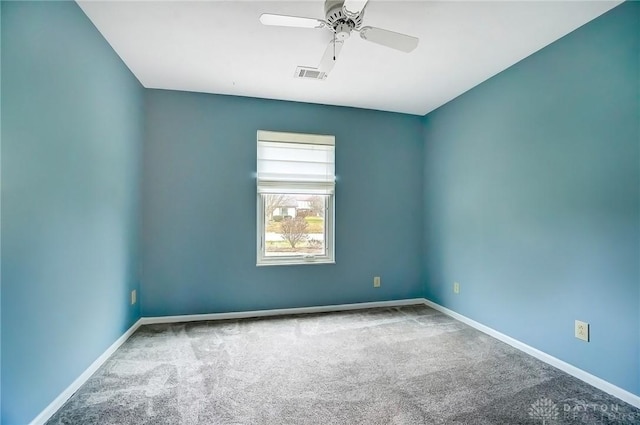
[71, 138]
[0, 211]
[199, 206]
[532, 192]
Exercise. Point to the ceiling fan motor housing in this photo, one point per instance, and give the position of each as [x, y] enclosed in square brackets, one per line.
[339, 21]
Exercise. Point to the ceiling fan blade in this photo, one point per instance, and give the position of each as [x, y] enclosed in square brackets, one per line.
[330, 56]
[395, 40]
[353, 8]
[291, 21]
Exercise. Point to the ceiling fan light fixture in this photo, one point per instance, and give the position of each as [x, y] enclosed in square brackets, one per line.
[343, 30]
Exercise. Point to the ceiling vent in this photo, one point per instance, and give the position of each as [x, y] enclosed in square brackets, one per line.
[310, 73]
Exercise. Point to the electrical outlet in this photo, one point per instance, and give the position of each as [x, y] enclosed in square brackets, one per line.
[376, 282]
[456, 288]
[134, 297]
[582, 330]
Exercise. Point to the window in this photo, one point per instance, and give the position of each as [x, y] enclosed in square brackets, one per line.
[295, 185]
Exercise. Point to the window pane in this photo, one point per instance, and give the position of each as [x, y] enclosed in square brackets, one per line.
[294, 224]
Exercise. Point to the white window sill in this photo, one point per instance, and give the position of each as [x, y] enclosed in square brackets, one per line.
[295, 262]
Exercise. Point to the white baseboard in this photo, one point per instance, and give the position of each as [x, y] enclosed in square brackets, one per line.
[278, 312]
[590, 379]
[80, 380]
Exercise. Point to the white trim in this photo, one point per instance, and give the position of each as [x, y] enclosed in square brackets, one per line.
[278, 312]
[590, 379]
[56, 404]
[288, 137]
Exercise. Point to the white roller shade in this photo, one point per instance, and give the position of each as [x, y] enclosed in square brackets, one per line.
[295, 163]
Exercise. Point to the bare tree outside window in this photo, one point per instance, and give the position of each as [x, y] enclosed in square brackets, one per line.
[294, 231]
[294, 224]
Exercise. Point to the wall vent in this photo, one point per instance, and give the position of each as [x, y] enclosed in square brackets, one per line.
[310, 73]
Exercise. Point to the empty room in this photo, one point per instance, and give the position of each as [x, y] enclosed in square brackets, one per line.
[320, 212]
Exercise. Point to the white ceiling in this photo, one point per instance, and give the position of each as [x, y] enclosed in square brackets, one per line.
[221, 47]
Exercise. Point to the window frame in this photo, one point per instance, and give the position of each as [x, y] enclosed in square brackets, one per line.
[294, 188]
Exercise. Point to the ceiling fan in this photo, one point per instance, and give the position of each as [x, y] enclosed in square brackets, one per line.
[341, 18]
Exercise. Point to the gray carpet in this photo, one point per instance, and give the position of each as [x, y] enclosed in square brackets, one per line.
[409, 365]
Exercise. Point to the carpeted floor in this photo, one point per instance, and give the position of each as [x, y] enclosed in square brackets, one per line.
[408, 365]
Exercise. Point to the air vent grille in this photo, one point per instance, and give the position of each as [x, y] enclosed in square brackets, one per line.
[310, 73]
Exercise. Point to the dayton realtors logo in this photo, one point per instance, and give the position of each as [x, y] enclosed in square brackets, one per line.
[544, 410]
[548, 412]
